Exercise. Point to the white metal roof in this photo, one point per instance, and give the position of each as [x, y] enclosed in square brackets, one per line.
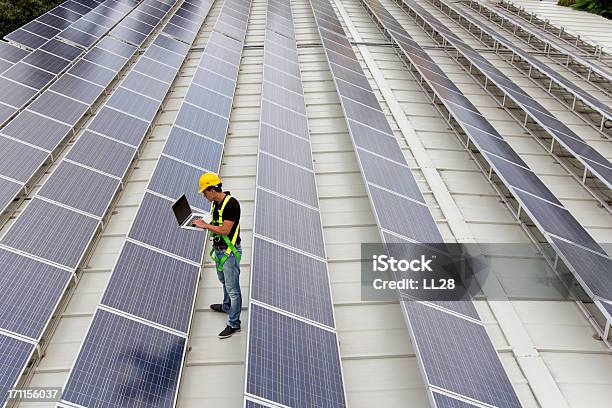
[547, 347]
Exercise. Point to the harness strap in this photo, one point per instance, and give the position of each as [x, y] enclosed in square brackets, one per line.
[231, 244]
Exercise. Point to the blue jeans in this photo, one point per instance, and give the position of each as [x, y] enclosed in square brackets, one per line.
[230, 278]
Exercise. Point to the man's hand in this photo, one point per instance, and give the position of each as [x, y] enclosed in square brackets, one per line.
[201, 224]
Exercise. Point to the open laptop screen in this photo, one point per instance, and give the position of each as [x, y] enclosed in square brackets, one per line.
[182, 210]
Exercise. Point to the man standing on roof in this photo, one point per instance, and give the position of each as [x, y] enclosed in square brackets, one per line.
[226, 252]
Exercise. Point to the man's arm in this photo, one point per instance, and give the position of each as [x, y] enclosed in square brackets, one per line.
[222, 229]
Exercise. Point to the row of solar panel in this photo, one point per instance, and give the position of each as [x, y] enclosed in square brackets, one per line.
[590, 158]
[29, 140]
[403, 217]
[161, 263]
[26, 78]
[591, 65]
[60, 221]
[288, 271]
[539, 202]
[37, 32]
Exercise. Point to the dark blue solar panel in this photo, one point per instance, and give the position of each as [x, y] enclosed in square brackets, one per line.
[154, 69]
[77, 88]
[123, 363]
[296, 219]
[105, 58]
[291, 362]
[14, 355]
[165, 232]
[102, 154]
[173, 179]
[202, 122]
[59, 107]
[11, 53]
[94, 73]
[117, 47]
[191, 148]
[592, 268]
[291, 281]
[30, 40]
[46, 61]
[153, 286]
[398, 214]
[80, 188]
[28, 75]
[137, 105]
[557, 220]
[30, 292]
[15, 94]
[78, 37]
[19, 161]
[35, 129]
[51, 232]
[214, 81]
[285, 146]
[287, 179]
[120, 126]
[481, 376]
[8, 191]
[146, 85]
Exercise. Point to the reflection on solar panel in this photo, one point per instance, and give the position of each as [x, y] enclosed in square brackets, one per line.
[160, 264]
[412, 222]
[116, 345]
[532, 195]
[54, 231]
[290, 292]
[556, 129]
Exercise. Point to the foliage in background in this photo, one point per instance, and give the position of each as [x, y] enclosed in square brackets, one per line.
[15, 13]
[601, 7]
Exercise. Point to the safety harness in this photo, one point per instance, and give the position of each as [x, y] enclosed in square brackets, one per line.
[231, 248]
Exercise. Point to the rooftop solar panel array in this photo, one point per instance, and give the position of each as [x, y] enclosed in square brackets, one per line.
[498, 38]
[591, 69]
[403, 217]
[592, 160]
[292, 350]
[37, 32]
[55, 229]
[555, 222]
[30, 75]
[153, 284]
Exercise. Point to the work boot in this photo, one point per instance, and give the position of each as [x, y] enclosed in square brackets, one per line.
[217, 308]
[228, 332]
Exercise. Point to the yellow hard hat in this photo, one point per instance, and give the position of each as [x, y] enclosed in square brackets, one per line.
[208, 180]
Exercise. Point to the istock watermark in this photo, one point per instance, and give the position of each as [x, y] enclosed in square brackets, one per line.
[460, 272]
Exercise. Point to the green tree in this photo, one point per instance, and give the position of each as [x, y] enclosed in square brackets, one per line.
[15, 13]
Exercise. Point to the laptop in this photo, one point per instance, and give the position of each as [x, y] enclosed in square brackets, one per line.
[185, 216]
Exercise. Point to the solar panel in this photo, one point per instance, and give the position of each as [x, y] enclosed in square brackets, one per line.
[153, 286]
[115, 346]
[301, 370]
[173, 179]
[442, 354]
[553, 126]
[59, 107]
[291, 281]
[80, 188]
[46, 61]
[287, 179]
[51, 232]
[284, 145]
[202, 122]
[410, 219]
[18, 161]
[12, 53]
[154, 69]
[78, 89]
[298, 218]
[119, 126]
[193, 149]
[549, 216]
[30, 290]
[14, 355]
[102, 154]
[28, 75]
[93, 73]
[105, 58]
[165, 233]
